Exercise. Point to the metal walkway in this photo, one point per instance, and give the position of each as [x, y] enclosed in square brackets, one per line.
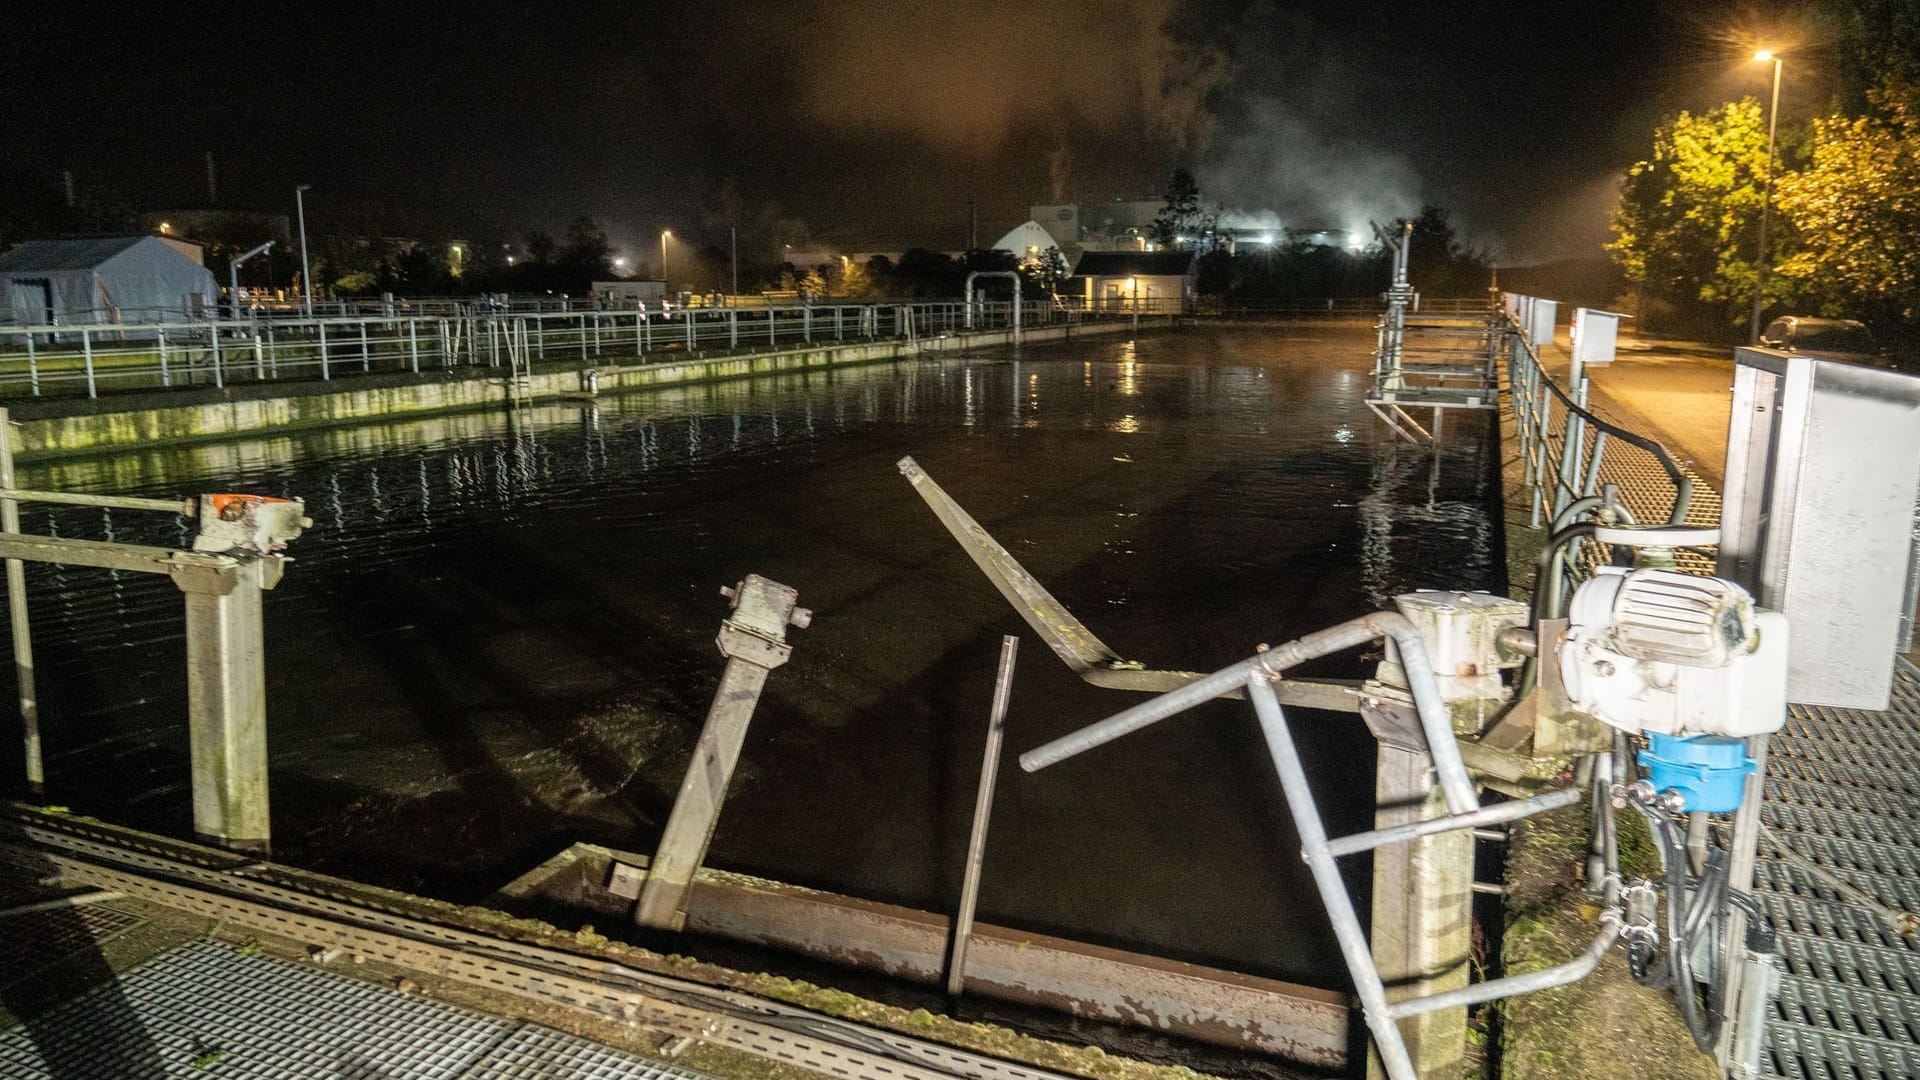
[1843, 793]
[207, 1008]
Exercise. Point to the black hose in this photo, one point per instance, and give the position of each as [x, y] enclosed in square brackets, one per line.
[1546, 579]
[1679, 962]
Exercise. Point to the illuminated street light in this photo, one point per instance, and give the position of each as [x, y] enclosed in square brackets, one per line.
[619, 262]
[664, 235]
[1766, 198]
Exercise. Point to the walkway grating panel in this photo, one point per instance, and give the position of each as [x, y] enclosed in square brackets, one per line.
[40, 939]
[208, 1008]
[1843, 792]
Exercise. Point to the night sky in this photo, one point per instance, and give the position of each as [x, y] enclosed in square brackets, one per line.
[866, 124]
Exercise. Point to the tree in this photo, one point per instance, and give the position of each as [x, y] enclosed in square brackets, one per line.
[1686, 228]
[1182, 221]
[851, 279]
[1045, 270]
[586, 256]
[1856, 209]
[540, 246]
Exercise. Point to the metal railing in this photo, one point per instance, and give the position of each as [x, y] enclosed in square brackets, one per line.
[72, 360]
[1367, 307]
[1563, 445]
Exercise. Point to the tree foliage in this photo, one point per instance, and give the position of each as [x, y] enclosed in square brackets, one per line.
[1182, 221]
[1856, 207]
[1687, 226]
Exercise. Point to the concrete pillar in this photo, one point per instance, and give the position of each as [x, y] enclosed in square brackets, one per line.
[1422, 912]
[227, 696]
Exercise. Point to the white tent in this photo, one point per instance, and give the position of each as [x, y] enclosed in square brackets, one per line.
[1027, 241]
[111, 279]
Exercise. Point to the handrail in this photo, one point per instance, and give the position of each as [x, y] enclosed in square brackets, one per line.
[1535, 433]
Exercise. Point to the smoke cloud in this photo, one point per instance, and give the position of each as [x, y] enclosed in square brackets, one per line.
[1273, 159]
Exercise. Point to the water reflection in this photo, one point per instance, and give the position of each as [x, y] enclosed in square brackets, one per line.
[497, 638]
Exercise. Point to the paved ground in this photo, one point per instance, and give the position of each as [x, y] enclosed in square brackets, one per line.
[1683, 391]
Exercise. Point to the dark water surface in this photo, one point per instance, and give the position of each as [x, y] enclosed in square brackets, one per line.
[497, 638]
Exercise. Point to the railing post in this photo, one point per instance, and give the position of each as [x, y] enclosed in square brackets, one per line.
[326, 371]
[33, 364]
[733, 328]
[413, 345]
[86, 349]
[773, 317]
[690, 339]
[366, 352]
[166, 377]
[22, 624]
[583, 335]
[806, 324]
[259, 354]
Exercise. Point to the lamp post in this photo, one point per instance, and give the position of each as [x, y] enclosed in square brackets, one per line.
[664, 234]
[306, 281]
[1766, 200]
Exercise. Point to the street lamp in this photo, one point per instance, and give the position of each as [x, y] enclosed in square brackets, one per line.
[664, 234]
[1766, 198]
[306, 282]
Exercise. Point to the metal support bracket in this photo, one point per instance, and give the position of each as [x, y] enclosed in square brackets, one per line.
[754, 641]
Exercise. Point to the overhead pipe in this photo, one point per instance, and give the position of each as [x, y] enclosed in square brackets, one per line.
[1015, 277]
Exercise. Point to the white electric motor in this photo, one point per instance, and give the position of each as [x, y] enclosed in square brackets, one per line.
[1678, 654]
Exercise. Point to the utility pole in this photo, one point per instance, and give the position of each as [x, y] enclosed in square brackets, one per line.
[733, 253]
[306, 280]
[1766, 201]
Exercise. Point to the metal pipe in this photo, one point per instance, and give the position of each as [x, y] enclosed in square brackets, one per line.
[1435, 721]
[1326, 877]
[183, 507]
[1513, 985]
[1489, 815]
[982, 810]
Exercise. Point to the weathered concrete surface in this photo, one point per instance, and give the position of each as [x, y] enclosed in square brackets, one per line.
[49, 427]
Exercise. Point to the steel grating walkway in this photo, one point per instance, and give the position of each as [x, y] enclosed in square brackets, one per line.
[1843, 792]
[206, 1008]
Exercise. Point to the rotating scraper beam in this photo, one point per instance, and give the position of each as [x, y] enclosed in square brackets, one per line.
[1070, 639]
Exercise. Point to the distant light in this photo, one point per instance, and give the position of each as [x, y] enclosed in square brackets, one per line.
[1763, 55]
[620, 261]
[1266, 239]
[509, 260]
[1357, 244]
[165, 227]
[456, 249]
